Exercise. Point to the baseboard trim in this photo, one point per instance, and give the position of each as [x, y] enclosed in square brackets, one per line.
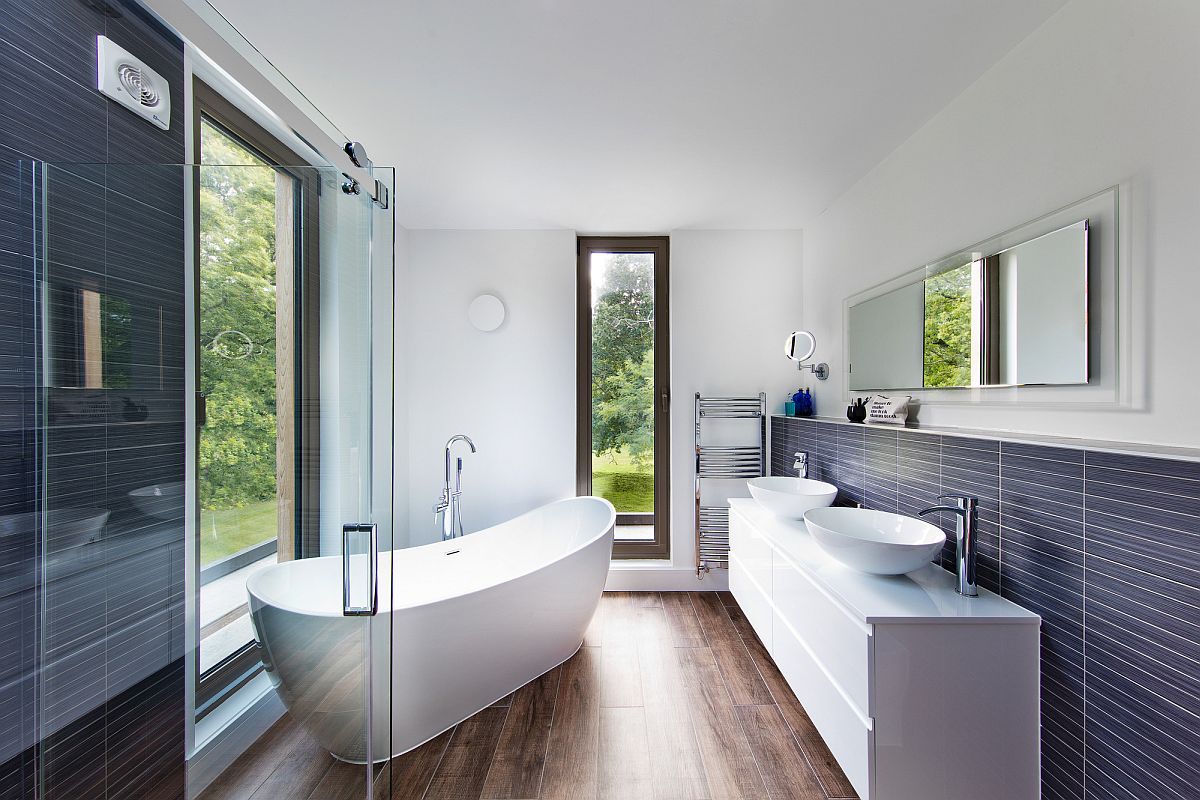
[628, 578]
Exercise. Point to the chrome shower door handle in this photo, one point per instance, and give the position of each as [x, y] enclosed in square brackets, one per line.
[352, 529]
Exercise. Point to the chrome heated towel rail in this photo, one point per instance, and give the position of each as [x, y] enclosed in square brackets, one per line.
[724, 462]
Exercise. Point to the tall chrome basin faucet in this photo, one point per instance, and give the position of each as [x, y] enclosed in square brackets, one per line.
[967, 511]
[447, 514]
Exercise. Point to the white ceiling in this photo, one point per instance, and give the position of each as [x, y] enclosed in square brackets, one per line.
[624, 116]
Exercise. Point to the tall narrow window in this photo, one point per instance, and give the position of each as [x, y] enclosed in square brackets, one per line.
[249, 197]
[624, 387]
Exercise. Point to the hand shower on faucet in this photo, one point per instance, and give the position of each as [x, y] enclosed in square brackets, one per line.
[448, 511]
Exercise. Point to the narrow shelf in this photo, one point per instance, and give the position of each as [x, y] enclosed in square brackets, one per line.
[1066, 442]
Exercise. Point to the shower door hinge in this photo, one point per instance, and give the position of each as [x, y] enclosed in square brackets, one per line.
[380, 198]
[381, 194]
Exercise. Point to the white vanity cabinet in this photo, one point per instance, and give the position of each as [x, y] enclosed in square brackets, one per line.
[920, 693]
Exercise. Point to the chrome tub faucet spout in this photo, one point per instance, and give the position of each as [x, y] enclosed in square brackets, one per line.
[447, 514]
[966, 508]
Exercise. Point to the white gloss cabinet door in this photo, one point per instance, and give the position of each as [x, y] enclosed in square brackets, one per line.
[750, 576]
[956, 715]
[841, 643]
[847, 734]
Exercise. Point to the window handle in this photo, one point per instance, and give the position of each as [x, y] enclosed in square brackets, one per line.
[665, 401]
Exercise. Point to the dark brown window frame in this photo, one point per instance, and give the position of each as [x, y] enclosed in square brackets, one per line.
[660, 247]
[224, 678]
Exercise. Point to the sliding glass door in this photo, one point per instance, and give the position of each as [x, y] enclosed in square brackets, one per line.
[190, 437]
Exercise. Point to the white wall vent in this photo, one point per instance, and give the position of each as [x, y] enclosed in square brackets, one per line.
[131, 83]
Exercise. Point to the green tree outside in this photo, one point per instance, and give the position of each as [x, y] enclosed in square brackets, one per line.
[623, 382]
[948, 328]
[236, 451]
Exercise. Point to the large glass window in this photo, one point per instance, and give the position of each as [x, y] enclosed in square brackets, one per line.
[624, 401]
[246, 256]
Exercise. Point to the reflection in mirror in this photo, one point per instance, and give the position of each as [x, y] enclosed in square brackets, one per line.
[949, 328]
[799, 345]
[1040, 310]
[1008, 318]
[89, 338]
[886, 340]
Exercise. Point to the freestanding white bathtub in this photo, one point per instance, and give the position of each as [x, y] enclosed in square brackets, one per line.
[470, 620]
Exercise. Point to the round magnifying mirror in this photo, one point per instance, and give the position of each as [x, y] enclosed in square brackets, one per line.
[799, 345]
[486, 313]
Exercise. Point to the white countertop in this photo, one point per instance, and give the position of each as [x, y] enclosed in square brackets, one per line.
[924, 596]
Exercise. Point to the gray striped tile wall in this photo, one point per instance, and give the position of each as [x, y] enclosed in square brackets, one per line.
[1105, 547]
[91, 688]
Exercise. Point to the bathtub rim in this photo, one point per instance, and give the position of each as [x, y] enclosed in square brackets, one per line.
[336, 613]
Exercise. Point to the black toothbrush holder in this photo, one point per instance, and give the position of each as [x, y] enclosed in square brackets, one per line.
[857, 411]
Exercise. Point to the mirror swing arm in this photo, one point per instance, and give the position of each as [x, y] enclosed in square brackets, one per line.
[793, 343]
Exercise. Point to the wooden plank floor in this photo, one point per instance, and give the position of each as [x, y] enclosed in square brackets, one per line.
[672, 697]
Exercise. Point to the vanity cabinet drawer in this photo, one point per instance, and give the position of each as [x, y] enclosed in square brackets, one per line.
[752, 599]
[847, 734]
[750, 575]
[839, 642]
[752, 549]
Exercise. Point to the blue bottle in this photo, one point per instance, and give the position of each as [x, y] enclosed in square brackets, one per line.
[804, 403]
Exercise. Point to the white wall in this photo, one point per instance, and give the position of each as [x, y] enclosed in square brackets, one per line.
[734, 296]
[400, 399]
[1103, 93]
[512, 391]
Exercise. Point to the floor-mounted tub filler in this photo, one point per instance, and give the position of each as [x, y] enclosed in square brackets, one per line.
[471, 620]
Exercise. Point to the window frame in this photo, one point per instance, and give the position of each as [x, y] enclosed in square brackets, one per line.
[660, 546]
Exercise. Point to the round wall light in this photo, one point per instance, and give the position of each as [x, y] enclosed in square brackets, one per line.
[486, 313]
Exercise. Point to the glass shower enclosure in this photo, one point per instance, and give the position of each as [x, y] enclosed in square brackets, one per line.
[209, 445]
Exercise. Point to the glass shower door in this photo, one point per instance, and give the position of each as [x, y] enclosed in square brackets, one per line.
[108, 476]
[213, 350]
[323, 625]
[353, 519]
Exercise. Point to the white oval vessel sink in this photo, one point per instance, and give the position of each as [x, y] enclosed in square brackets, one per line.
[791, 497]
[874, 541]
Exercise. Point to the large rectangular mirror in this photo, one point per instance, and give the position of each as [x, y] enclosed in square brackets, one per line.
[1014, 317]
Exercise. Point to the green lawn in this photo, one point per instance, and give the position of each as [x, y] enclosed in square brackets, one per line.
[224, 532]
[618, 480]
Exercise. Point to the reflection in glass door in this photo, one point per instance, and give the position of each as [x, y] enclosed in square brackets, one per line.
[293, 447]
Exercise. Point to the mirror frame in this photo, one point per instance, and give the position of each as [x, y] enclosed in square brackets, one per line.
[1110, 292]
